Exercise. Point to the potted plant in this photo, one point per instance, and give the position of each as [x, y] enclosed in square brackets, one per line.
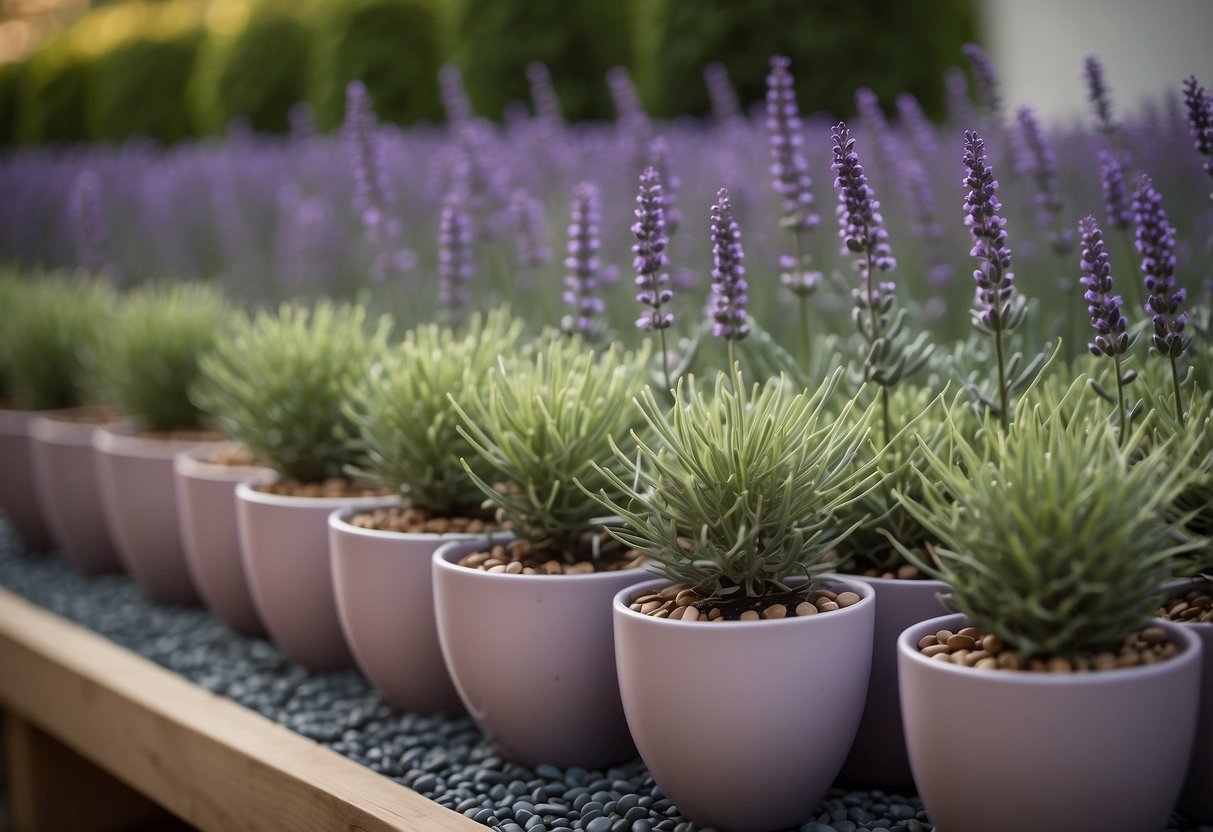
[277, 385]
[524, 621]
[1056, 542]
[408, 438]
[143, 361]
[743, 668]
[48, 470]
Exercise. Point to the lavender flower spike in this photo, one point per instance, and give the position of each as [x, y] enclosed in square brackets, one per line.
[581, 282]
[88, 228]
[859, 222]
[454, 257]
[1200, 119]
[789, 171]
[728, 274]
[530, 232]
[649, 249]
[725, 106]
[986, 86]
[999, 310]
[1115, 194]
[1111, 337]
[1043, 166]
[1156, 245]
[1098, 95]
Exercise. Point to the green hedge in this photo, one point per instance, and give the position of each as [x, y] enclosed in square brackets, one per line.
[258, 74]
[137, 89]
[12, 78]
[390, 45]
[54, 92]
[579, 41]
[835, 46]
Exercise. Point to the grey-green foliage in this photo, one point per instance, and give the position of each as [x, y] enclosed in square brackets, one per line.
[407, 429]
[1195, 501]
[278, 384]
[541, 423]
[1051, 535]
[146, 355]
[50, 320]
[739, 489]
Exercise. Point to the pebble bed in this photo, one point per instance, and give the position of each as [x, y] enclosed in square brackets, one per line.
[445, 759]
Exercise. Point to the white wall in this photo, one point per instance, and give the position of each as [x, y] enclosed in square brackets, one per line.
[1146, 48]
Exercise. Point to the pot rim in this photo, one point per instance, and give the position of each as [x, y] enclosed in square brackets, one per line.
[187, 462]
[443, 560]
[246, 492]
[339, 521]
[118, 438]
[907, 645]
[929, 582]
[867, 597]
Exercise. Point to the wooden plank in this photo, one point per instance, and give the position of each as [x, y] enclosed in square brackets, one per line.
[204, 758]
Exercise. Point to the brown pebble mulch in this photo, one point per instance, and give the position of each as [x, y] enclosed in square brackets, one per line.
[521, 557]
[905, 572]
[681, 602]
[1192, 607]
[331, 487]
[974, 647]
[414, 520]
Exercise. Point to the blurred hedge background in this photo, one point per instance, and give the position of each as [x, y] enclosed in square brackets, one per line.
[171, 69]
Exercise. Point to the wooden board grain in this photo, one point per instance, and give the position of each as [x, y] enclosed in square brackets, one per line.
[204, 758]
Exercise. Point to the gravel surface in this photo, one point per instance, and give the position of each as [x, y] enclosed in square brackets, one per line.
[445, 759]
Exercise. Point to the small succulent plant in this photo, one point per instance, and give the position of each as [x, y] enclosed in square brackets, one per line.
[51, 320]
[541, 423]
[1052, 536]
[278, 383]
[146, 356]
[737, 493]
[407, 429]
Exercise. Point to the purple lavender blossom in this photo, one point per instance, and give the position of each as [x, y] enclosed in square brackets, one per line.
[649, 248]
[789, 171]
[1000, 309]
[543, 94]
[628, 109]
[1111, 337]
[88, 227]
[725, 105]
[987, 88]
[530, 236]
[1200, 119]
[1098, 95]
[914, 120]
[302, 122]
[727, 306]
[373, 195]
[960, 105]
[454, 95]
[859, 222]
[455, 264]
[581, 282]
[659, 151]
[1115, 194]
[1042, 164]
[1156, 245]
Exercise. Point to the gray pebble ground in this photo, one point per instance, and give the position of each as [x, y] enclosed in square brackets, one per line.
[445, 759]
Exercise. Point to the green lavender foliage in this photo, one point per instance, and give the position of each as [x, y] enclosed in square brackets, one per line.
[542, 423]
[1051, 535]
[407, 429]
[146, 355]
[740, 489]
[278, 384]
[51, 320]
[1195, 501]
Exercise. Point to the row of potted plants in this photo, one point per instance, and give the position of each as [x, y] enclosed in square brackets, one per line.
[1053, 535]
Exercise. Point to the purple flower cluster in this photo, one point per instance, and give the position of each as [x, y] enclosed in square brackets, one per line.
[859, 222]
[1042, 164]
[922, 134]
[649, 249]
[581, 281]
[373, 194]
[1098, 95]
[725, 105]
[998, 308]
[1156, 245]
[88, 227]
[789, 171]
[455, 259]
[659, 153]
[1200, 119]
[543, 94]
[986, 87]
[1111, 337]
[530, 235]
[728, 274]
[1115, 194]
[454, 95]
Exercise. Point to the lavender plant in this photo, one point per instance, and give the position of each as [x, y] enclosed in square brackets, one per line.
[727, 306]
[987, 89]
[455, 258]
[279, 381]
[539, 424]
[88, 225]
[1111, 330]
[1052, 536]
[1099, 96]
[649, 248]
[148, 354]
[407, 432]
[737, 493]
[374, 197]
[584, 265]
[1042, 165]
[1200, 119]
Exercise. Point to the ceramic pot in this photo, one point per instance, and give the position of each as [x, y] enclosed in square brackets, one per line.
[135, 477]
[65, 479]
[745, 724]
[1196, 800]
[206, 500]
[878, 756]
[284, 546]
[1004, 751]
[385, 598]
[17, 496]
[533, 658]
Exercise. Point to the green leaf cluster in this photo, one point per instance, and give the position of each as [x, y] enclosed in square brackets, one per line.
[541, 424]
[278, 384]
[146, 356]
[408, 430]
[51, 321]
[740, 489]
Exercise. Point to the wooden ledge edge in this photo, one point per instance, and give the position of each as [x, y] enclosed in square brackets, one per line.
[208, 760]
